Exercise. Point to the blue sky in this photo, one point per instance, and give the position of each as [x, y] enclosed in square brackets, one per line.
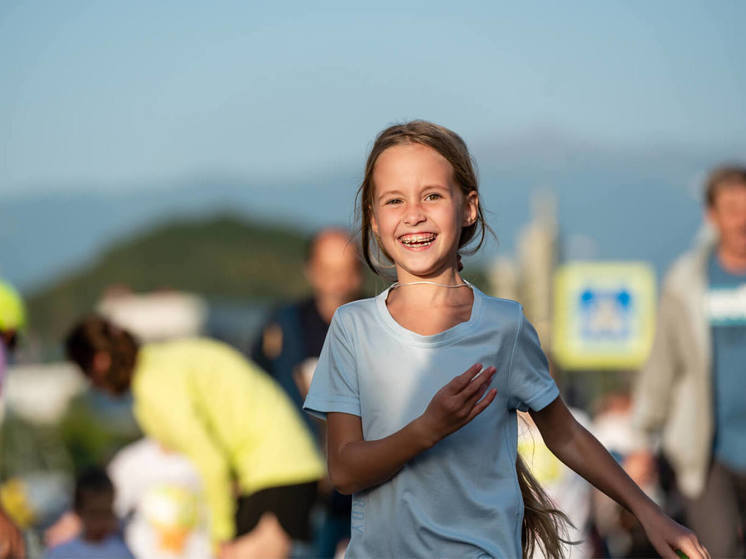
[111, 95]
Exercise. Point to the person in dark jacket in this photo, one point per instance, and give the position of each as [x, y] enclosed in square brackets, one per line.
[290, 344]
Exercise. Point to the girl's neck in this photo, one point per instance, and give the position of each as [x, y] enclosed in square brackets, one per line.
[447, 288]
[428, 309]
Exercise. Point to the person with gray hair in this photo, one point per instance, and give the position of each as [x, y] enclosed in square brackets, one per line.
[692, 387]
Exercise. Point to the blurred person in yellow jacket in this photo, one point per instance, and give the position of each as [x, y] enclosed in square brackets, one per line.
[12, 321]
[204, 399]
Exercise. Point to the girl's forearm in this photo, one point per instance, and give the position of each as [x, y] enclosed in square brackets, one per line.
[587, 456]
[358, 465]
[581, 451]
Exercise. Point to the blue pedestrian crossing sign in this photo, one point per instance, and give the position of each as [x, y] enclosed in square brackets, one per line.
[604, 315]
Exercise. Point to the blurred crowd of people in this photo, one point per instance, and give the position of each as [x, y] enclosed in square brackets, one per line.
[230, 467]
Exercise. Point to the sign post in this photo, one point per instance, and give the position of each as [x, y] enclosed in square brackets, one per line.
[604, 315]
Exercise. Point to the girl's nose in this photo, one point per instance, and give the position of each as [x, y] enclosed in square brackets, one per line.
[414, 215]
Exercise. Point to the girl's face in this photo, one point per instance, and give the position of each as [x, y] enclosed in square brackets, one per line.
[418, 212]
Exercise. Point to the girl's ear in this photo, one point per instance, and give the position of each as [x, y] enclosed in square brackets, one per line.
[471, 208]
[373, 223]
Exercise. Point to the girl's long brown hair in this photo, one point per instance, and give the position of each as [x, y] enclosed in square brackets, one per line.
[542, 522]
[544, 525]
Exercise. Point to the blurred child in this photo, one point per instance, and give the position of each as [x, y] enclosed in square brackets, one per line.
[94, 505]
[159, 494]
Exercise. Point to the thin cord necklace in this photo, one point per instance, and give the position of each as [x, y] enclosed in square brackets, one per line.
[397, 284]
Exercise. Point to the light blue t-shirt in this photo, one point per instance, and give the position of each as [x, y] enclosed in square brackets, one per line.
[726, 306]
[460, 498]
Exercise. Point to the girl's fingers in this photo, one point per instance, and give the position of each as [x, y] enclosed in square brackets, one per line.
[481, 405]
[666, 550]
[463, 380]
[474, 386]
[690, 554]
[697, 547]
[701, 549]
[474, 398]
[691, 546]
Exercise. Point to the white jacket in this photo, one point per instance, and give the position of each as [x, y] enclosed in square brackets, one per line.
[673, 393]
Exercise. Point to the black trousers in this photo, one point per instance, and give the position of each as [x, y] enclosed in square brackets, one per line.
[291, 504]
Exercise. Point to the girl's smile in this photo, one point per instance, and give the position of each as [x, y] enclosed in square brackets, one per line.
[417, 241]
[418, 212]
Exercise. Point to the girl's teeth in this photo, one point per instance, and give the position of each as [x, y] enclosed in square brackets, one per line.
[419, 241]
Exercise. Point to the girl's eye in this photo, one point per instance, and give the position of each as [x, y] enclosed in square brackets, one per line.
[433, 196]
[393, 202]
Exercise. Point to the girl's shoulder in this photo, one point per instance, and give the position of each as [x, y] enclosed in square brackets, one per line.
[358, 305]
[360, 309]
[504, 312]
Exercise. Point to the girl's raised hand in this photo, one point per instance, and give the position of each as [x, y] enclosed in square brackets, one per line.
[458, 402]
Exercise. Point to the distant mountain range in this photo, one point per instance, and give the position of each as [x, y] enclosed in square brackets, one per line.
[45, 236]
[611, 205]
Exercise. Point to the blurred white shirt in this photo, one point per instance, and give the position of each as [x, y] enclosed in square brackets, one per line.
[159, 494]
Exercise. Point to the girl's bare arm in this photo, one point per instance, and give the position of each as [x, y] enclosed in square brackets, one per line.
[582, 452]
[356, 464]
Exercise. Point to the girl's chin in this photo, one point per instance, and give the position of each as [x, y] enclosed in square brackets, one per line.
[407, 273]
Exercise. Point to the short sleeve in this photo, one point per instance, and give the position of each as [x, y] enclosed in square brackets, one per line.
[529, 382]
[334, 387]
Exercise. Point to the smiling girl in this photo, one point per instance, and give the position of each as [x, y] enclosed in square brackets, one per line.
[420, 385]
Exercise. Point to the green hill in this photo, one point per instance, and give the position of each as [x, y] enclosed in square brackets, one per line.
[223, 257]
